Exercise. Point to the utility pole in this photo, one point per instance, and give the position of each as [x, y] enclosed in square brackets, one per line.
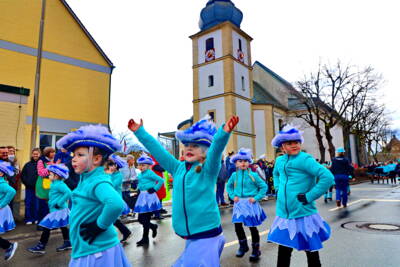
[37, 79]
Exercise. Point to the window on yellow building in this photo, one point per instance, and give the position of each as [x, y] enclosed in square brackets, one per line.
[49, 139]
[210, 81]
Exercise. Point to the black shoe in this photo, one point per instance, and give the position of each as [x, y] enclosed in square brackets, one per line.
[154, 230]
[126, 236]
[256, 253]
[159, 218]
[143, 242]
[39, 228]
[163, 211]
[326, 200]
[243, 248]
[65, 246]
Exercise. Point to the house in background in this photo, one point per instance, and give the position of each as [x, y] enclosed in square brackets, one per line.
[75, 74]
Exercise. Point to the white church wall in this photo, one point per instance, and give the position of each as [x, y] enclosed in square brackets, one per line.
[239, 72]
[217, 35]
[244, 141]
[259, 130]
[217, 105]
[235, 45]
[353, 148]
[243, 110]
[217, 71]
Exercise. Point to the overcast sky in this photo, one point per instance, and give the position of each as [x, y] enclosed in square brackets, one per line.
[148, 43]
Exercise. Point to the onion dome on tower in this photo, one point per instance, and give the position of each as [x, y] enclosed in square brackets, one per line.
[218, 11]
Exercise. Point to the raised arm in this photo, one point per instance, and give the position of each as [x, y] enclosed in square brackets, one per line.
[221, 138]
[165, 159]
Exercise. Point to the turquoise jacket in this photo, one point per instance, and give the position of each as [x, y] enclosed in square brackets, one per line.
[116, 179]
[6, 193]
[94, 199]
[295, 175]
[59, 194]
[148, 179]
[194, 207]
[246, 184]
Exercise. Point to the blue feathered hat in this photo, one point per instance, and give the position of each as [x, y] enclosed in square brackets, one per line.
[243, 154]
[340, 150]
[145, 159]
[6, 168]
[59, 169]
[118, 160]
[90, 136]
[202, 132]
[288, 133]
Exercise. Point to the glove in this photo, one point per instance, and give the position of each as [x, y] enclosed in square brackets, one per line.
[90, 231]
[151, 191]
[302, 198]
[57, 207]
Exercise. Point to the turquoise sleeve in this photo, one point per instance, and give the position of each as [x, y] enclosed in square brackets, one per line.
[262, 187]
[9, 193]
[66, 195]
[230, 186]
[158, 179]
[112, 204]
[318, 171]
[214, 155]
[275, 175]
[166, 160]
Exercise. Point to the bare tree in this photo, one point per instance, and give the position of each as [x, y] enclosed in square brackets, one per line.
[337, 95]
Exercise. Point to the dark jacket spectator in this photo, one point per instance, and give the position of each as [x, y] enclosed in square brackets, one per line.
[73, 179]
[29, 174]
[341, 165]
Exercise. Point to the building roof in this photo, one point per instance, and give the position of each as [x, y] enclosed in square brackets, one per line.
[69, 9]
[14, 90]
[218, 11]
[262, 97]
[275, 75]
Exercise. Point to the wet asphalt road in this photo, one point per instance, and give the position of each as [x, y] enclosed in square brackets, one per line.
[355, 247]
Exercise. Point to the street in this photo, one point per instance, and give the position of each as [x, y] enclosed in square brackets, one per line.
[352, 243]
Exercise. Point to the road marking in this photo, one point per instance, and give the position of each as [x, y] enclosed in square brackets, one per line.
[368, 189]
[348, 204]
[382, 200]
[248, 238]
[366, 199]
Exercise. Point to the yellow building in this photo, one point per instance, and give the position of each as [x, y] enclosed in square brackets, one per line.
[75, 74]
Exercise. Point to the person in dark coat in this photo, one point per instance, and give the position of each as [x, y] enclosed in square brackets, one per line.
[342, 170]
[221, 181]
[29, 176]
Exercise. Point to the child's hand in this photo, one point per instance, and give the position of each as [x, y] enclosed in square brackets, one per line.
[252, 200]
[236, 199]
[302, 198]
[231, 123]
[134, 126]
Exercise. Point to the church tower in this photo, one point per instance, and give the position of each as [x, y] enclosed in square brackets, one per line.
[222, 71]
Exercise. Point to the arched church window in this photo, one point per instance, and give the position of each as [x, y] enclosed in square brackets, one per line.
[210, 50]
[240, 45]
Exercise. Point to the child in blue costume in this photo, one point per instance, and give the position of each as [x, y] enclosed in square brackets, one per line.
[298, 224]
[58, 217]
[246, 188]
[195, 214]
[95, 203]
[114, 164]
[7, 223]
[147, 202]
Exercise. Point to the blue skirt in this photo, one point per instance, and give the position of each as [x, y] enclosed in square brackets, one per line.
[56, 219]
[250, 214]
[126, 210]
[202, 252]
[147, 202]
[6, 220]
[112, 257]
[305, 233]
